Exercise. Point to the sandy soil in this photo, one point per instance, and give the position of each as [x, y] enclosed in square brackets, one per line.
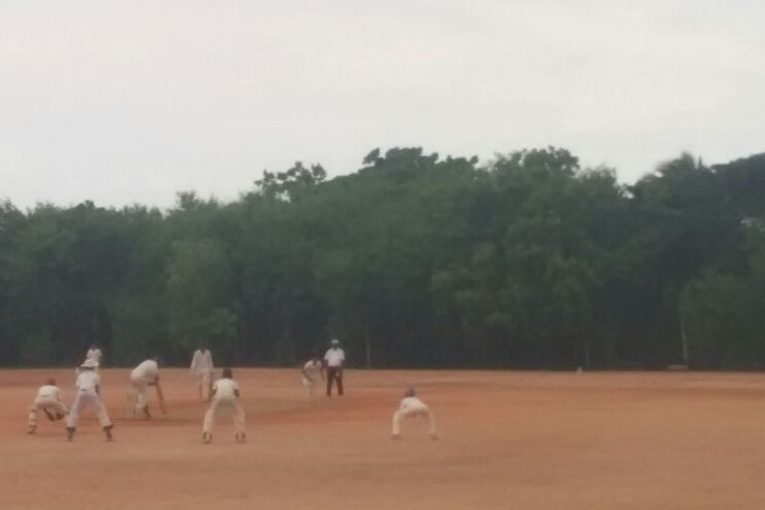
[520, 440]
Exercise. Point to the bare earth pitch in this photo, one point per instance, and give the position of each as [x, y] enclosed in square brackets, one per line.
[520, 440]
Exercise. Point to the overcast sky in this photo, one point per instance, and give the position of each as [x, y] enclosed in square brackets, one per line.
[130, 101]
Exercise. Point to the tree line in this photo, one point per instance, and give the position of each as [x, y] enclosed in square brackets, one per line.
[412, 261]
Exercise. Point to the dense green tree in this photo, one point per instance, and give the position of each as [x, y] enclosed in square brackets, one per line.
[529, 260]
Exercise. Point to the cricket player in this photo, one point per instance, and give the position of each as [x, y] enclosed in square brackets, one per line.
[334, 357]
[312, 370]
[144, 375]
[225, 394]
[95, 354]
[411, 407]
[88, 394]
[48, 400]
[202, 368]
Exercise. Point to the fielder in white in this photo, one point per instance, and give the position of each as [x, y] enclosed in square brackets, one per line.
[202, 368]
[88, 394]
[225, 394]
[48, 400]
[312, 371]
[94, 354]
[144, 375]
[412, 407]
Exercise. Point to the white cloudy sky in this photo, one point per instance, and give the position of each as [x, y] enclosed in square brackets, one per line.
[130, 101]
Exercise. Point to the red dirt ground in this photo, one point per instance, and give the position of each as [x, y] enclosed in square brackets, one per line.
[520, 440]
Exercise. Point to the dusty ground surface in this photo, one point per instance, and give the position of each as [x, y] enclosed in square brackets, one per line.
[519, 440]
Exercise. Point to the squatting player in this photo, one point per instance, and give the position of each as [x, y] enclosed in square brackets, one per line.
[49, 401]
[412, 407]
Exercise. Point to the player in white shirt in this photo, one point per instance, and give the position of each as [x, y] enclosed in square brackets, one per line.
[94, 354]
[334, 357]
[88, 394]
[48, 400]
[144, 375]
[312, 371]
[202, 368]
[225, 394]
[412, 407]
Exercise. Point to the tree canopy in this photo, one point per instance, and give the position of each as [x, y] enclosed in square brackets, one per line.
[413, 261]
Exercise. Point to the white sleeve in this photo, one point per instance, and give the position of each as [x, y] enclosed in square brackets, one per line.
[342, 355]
[194, 360]
[326, 355]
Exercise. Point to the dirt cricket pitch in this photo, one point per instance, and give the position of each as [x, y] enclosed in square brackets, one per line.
[509, 440]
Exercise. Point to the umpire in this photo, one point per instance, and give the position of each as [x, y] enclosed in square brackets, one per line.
[334, 358]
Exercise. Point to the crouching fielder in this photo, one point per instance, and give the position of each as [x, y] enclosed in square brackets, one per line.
[225, 394]
[49, 401]
[312, 370]
[411, 407]
[88, 394]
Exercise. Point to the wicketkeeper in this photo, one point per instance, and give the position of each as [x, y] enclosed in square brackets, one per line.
[49, 401]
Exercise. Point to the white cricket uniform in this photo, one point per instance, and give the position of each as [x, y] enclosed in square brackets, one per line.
[87, 395]
[48, 398]
[94, 355]
[225, 397]
[202, 367]
[311, 374]
[411, 407]
[140, 378]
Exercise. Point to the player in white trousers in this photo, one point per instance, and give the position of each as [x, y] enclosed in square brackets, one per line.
[202, 368]
[144, 375]
[225, 394]
[412, 407]
[88, 394]
[48, 400]
[312, 371]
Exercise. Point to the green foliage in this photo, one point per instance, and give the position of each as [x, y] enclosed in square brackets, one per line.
[414, 260]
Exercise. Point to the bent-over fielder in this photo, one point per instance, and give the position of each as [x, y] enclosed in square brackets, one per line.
[412, 407]
[312, 371]
[49, 401]
[144, 375]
